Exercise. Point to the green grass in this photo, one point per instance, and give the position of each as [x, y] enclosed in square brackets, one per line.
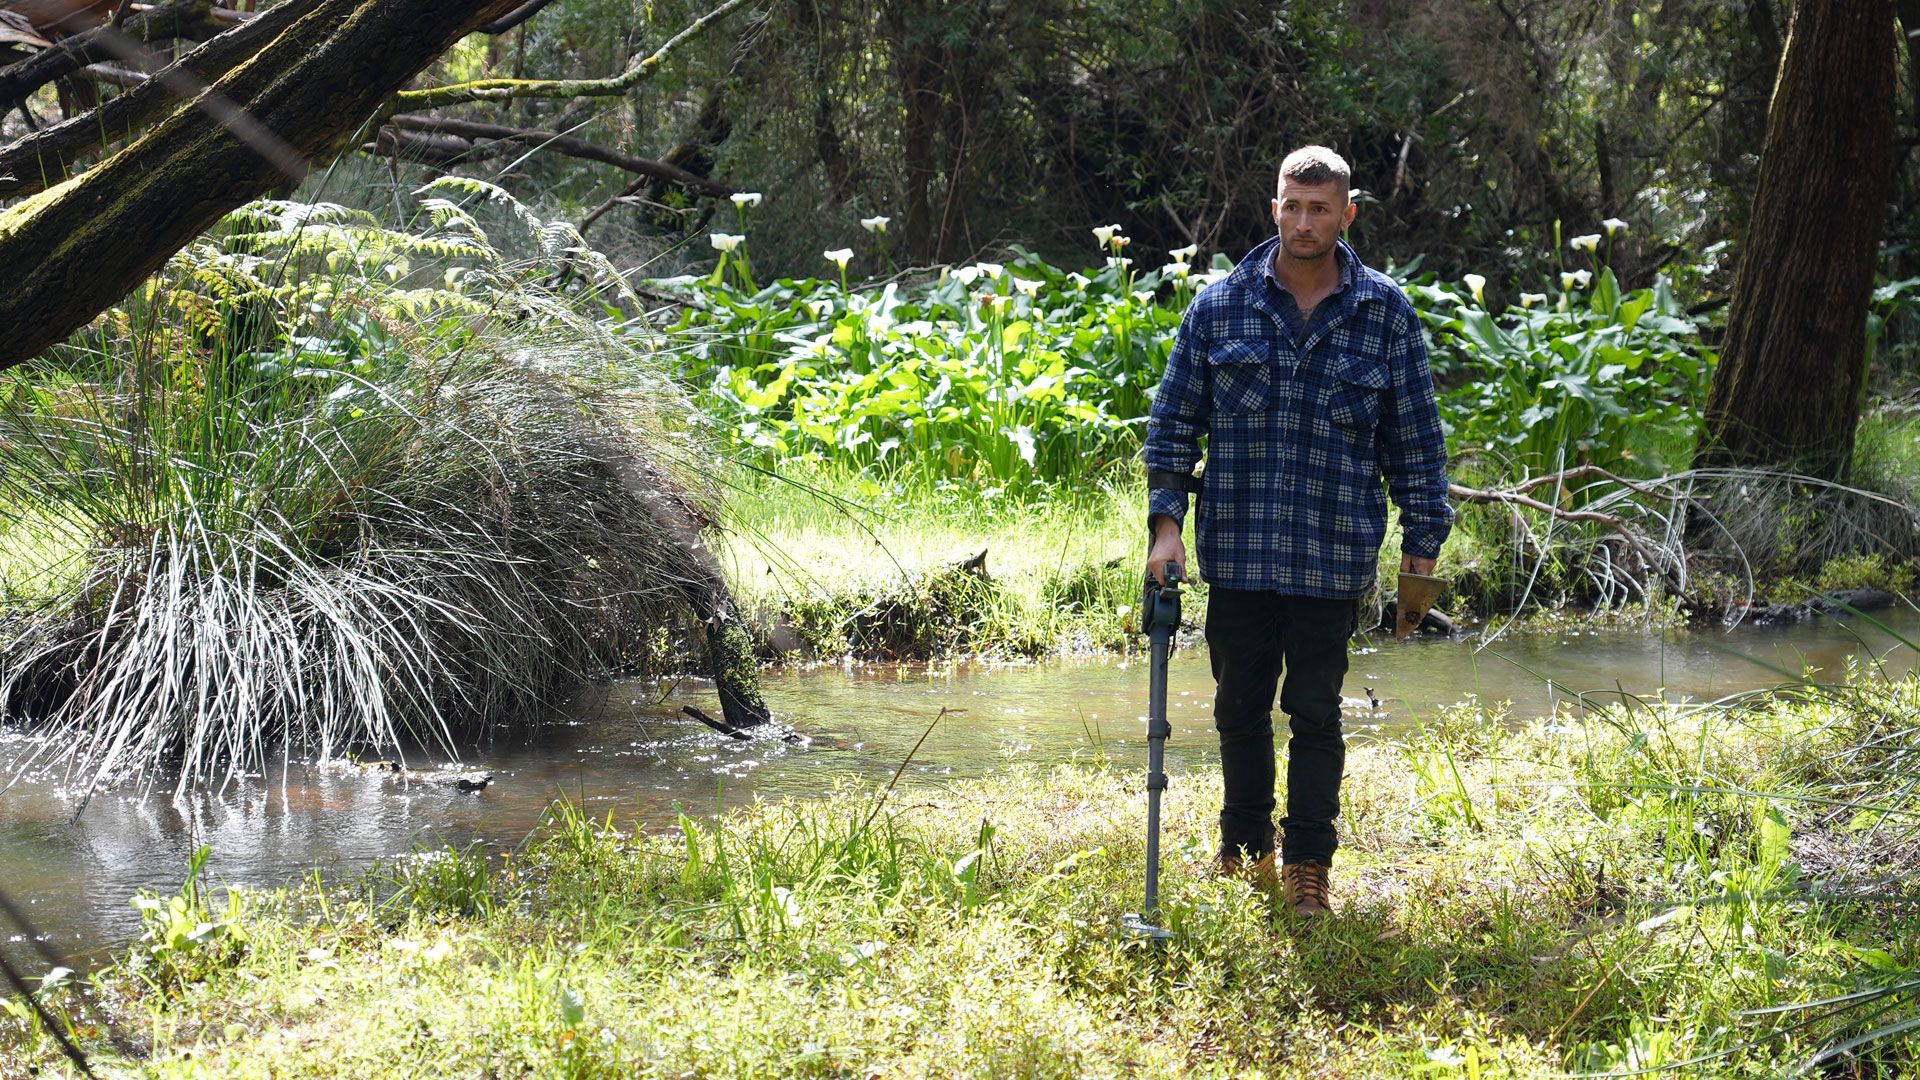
[848, 564]
[39, 560]
[830, 562]
[1597, 893]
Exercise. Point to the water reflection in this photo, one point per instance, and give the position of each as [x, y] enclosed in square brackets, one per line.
[625, 748]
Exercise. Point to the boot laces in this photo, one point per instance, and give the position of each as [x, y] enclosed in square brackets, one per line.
[1309, 882]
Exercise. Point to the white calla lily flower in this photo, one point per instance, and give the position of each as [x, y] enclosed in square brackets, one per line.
[877, 223]
[1185, 254]
[724, 241]
[1528, 299]
[1478, 284]
[839, 257]
[746, 198]
[1590, 242]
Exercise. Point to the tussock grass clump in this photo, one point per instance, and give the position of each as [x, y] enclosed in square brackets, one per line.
[1604, 892]
[296, 504]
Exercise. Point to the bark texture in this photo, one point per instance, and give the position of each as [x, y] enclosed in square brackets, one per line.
[1787, 391]
[299, 96]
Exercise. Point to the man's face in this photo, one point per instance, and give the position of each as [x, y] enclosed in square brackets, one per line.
[1311, 217]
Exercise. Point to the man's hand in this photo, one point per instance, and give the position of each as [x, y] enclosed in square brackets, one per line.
[1167, 546]
[1414, 564]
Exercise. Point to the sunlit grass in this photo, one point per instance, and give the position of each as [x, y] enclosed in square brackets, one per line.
[1600, 892]
[39, 560]
[1063, 568]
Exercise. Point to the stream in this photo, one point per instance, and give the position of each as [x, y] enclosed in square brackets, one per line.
[625, 747]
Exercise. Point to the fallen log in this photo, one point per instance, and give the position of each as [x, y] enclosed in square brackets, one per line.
[558, 143]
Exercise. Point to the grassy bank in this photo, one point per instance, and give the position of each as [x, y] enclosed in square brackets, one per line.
[885, 574]
[828, 562]
[1602, 893]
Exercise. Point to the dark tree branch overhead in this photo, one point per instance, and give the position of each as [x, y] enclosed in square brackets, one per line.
[68, 248]
[44, 158]
[514, 18]
[190, 19]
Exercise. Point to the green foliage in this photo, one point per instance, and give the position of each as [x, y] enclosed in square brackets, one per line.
[1893, 327]
[440, 881]
[299, 497]
[183, 939]
[1581, 381]
[997, 376]
[1635, 887]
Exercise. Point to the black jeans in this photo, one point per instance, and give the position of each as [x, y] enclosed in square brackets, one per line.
[1252, 636]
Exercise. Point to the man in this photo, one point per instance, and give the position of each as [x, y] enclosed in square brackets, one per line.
[1306, 371]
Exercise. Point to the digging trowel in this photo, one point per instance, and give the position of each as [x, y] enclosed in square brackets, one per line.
[1159, 619]
[1418, 593]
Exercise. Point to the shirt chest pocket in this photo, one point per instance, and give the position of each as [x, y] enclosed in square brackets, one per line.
[1355, 390]
[1242, 376]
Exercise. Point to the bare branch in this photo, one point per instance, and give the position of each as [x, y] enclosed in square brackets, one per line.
[559, 144]
[508, 89]
[514, 18]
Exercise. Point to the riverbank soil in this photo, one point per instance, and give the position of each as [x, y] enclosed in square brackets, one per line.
[1604, 891]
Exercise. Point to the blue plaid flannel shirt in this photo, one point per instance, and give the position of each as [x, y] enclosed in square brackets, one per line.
[1302, 422]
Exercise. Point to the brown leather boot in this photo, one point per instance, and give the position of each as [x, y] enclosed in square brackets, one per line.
[1264, 873]
[1305, 888]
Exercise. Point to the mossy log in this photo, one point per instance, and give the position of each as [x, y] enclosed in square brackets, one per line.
[298, 97]
[731, 658]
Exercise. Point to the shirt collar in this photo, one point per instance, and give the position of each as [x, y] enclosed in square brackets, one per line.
[1349, 264]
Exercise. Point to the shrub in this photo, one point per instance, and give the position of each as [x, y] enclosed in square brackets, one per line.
[304, 502]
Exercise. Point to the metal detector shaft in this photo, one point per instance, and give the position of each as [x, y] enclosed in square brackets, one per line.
[1164, 619]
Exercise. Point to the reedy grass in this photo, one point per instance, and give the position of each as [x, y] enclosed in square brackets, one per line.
[1600, 892]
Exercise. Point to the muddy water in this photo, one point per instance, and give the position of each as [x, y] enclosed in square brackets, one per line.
[625, 748]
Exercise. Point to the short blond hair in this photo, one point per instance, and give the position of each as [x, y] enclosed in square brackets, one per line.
[1316, 165]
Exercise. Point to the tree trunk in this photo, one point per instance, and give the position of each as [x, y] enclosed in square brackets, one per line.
[67, 248]
[1787, 392]
[1910, 24]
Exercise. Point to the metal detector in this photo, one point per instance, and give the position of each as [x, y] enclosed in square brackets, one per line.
[1159, 619]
